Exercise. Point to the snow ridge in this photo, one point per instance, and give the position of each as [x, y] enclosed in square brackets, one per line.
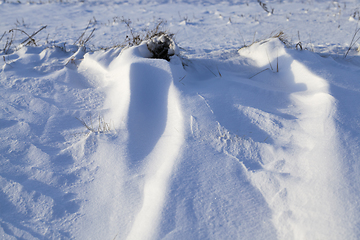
[144, 105]
[305, 202]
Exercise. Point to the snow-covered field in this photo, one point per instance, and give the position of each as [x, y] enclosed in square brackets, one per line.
[240, 136]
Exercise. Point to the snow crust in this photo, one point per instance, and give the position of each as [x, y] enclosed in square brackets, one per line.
[230, 139]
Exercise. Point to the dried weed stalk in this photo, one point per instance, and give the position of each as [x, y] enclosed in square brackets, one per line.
[83, 39]
[101, 127]
[29, 41]
[266, 9]
[136, 38]
[354, 39]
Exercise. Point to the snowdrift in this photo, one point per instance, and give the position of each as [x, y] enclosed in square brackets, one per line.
[263, 145]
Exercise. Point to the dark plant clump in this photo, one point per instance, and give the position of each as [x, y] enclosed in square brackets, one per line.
[162, 46]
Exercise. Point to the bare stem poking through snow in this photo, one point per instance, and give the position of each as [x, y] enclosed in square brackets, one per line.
[354, 40]
[102, 125]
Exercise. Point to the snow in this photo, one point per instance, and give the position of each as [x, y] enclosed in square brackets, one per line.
[241, 135]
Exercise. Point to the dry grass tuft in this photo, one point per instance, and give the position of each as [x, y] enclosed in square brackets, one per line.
[84, 39]
[135, 38]
[100, 127]
[11, 36]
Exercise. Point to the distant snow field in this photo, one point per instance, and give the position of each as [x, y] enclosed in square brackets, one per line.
[248, 128]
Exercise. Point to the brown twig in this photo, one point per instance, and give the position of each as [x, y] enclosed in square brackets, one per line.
[32, 35]
[82, 41]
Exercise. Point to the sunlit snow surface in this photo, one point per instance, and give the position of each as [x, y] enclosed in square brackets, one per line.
[223, 142]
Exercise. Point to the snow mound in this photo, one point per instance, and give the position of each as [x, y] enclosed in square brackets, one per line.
[261, 143]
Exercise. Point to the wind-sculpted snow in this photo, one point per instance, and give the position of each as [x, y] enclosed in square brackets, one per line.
[262, 144]
[300, 183]
[149, 118]
[200, 154]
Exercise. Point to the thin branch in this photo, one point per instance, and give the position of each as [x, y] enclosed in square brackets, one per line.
[89, 37]
[2, 36]
[353, 41]
[32, 35]
[29, 37]
[263, 5]
[9, 42]
[219, 71]
[80, 40]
